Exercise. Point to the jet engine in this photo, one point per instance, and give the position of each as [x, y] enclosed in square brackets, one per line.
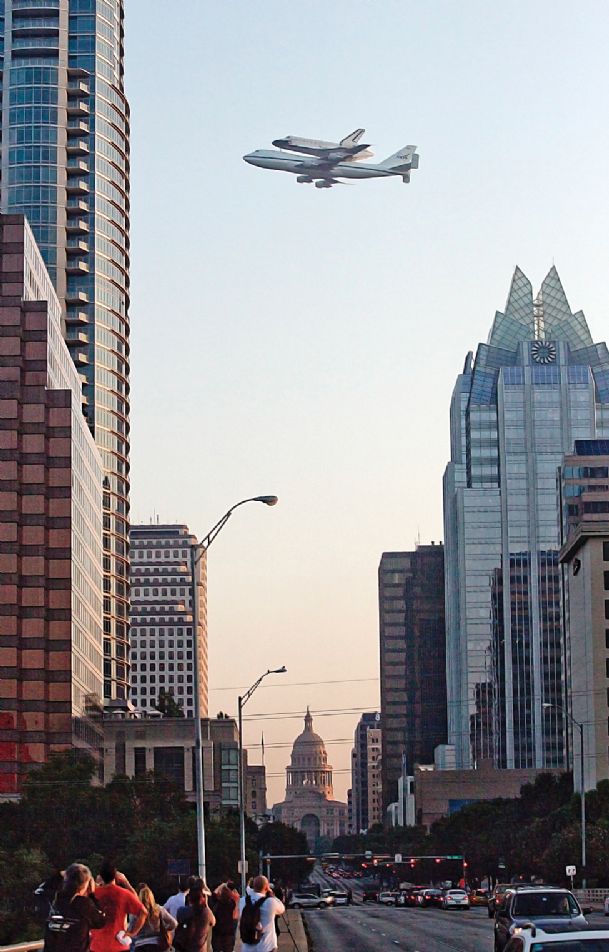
[323, 184]
[304, 179]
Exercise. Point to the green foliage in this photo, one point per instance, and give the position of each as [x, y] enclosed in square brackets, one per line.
[21, 870]
[282, 840]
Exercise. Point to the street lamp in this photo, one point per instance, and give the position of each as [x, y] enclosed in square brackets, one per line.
[580, 728]
[241, 704]
[196, 554]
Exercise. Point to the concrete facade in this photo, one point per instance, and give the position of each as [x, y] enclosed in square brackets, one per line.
[134, 746]
[366, 801]
[440, 793]
[50, 526]
[584, 488]
[161, 618]
[412, 660]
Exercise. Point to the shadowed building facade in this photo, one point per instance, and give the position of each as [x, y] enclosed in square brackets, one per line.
[309, 803]
[536, 386]
[50, 526]
[412, 661]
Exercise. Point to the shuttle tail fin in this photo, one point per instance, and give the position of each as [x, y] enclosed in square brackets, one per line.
[406, 159]
[352, 139]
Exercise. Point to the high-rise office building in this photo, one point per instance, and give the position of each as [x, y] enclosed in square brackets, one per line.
[412, 662]
[65, 165]
[50, 526]
[537, 385]
[366, 804]
[584, 488]
[161, 618]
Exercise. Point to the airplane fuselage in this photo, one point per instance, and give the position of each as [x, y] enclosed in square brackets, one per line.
[315, 169]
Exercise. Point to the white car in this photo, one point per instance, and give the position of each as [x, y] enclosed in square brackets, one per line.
[533, 938]
[340, 898]
[388, 898]
[606, 905]
[455, 899]
[310, 901]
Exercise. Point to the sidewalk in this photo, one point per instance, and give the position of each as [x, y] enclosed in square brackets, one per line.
[286, 944]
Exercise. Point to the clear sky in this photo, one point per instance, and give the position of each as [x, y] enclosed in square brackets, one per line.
[305, 343]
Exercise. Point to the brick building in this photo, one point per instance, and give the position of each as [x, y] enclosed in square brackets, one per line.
[50, 525]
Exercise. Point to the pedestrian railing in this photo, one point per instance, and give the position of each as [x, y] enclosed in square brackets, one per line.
[23, 946]
[591, 895]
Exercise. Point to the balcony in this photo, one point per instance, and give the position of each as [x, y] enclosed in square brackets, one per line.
[74, 317]
[77, 167]
[78, 88]
[80, 358]
[77, 338]
[77, 147]
[77, 127]
[78, 107]
[77, 246]
[76, 226]
[77, 297]
[77, 267]
[77, 206]
[77, 186]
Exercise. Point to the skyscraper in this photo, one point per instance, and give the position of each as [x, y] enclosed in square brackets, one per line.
[366, 802]
[162, 655]
[538, 384]
[413, 661]
[50, 526]
[65, 165]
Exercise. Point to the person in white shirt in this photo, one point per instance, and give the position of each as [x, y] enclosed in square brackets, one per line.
[178, 901]
[270, 908]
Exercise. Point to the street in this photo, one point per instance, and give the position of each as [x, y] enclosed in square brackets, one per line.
[371, 928]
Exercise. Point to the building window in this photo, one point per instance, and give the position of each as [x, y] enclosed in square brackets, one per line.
[139, 761]
[606, 551]
[606, 637]
[607, 609]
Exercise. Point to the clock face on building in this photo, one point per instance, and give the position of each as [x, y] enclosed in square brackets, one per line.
[543, 352]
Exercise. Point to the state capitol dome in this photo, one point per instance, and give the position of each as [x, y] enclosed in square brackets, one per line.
[309, 803]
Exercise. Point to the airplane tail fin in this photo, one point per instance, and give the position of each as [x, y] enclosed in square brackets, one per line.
[352, 139]
[405, 159]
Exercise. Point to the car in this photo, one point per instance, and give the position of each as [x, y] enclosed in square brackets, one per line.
[386, 898]
[340, 898]
[455, 899]
[533, 938]
[543, 906]
[606, 906]
[309, 901]
[430, 897]
[412, 897]
[371, 894]
[478, 897]
[496, 898]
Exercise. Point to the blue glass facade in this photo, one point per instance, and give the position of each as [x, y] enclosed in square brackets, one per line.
[533, 389]
[65, 165]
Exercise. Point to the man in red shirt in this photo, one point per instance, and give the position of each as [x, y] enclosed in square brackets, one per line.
[118, 899]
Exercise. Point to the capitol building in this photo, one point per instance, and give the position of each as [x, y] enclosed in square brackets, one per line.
[309, 803]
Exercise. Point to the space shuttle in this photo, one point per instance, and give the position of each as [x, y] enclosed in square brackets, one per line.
[348, 149]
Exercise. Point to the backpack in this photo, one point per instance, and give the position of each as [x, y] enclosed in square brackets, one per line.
[57, 928]
[250, 929]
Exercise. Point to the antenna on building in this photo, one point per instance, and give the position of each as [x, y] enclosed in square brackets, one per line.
[417, 541]
[262, 745]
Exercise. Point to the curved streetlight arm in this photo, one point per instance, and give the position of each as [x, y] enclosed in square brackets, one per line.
[207, 540]
[564, 711]
[245, 698]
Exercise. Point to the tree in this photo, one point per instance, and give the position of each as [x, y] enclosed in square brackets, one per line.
[21, 871]
[168, 705]
[281, 839]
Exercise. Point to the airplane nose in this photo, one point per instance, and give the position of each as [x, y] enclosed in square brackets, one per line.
[248, 158]
[278, 142]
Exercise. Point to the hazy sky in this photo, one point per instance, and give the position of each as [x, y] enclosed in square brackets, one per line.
[305, 343]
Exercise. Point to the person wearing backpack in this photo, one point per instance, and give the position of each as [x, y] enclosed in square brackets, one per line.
[157, 931]
[73, 913]
[258, 909]
[195, 920]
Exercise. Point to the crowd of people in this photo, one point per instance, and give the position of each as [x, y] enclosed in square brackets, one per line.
[107, 914]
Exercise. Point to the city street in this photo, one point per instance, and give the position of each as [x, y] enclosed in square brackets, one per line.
[371, 928]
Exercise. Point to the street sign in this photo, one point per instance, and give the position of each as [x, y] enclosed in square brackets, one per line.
[398, 858]
[570, 870]
[239, 870]
[368, 854]
[178, 867]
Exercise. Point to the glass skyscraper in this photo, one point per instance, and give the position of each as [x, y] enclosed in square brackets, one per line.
[65, 165]
[537, 385]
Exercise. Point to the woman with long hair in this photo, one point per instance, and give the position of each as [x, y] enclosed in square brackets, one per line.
[74, 912]
[223, 905]
[195, 920]
[159, 925]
